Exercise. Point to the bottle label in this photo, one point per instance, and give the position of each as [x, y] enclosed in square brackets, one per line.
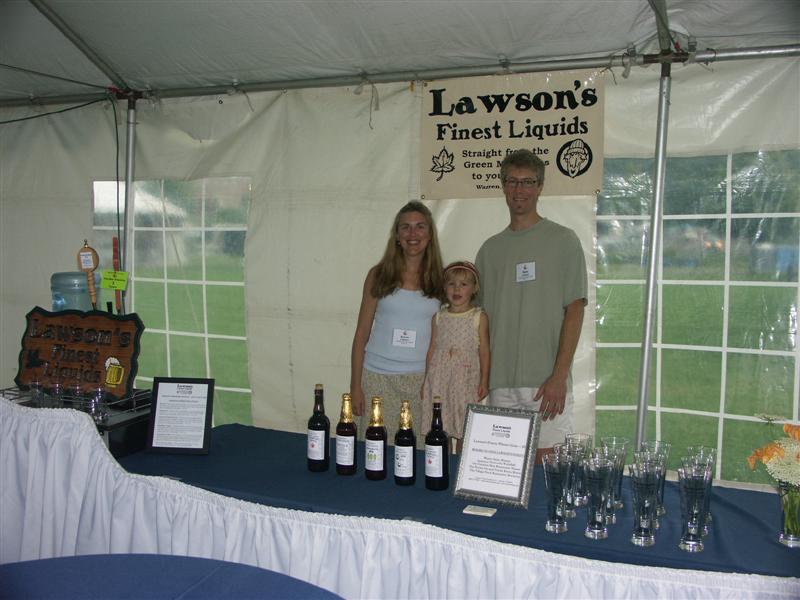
[345, 450]
[433, 461]
[374, 460]
[316, 445]
[404, 461]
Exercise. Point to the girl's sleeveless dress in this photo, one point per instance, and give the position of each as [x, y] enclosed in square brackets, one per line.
[454, 372]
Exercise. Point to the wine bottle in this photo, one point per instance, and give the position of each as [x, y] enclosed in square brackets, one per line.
[375, 465]
[319, 434]
[405, 448]
[437, 460]
[346, 461]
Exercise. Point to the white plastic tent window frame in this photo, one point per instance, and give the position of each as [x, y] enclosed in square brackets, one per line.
[105, 232]
[656, 407]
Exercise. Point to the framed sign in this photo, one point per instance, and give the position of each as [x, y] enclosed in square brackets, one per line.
[498, 454]
[180, 415]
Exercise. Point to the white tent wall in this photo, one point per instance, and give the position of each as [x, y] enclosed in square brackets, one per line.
[326, 185]
[46, 171]
[716, 108]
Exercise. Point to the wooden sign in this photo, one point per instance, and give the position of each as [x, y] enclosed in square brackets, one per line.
[93, 349]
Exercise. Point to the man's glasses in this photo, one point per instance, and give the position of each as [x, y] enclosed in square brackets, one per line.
[523, 183]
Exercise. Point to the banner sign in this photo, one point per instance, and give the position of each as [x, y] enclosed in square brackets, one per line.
[470, 124]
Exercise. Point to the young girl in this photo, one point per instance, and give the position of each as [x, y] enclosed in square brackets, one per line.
[457, 368]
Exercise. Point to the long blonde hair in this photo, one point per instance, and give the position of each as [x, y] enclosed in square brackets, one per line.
[389, 271]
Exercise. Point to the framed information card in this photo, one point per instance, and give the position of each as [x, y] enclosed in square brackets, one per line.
[498, 454]
[180, 415]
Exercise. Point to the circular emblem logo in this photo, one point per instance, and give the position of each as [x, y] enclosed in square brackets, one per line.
[574, 158]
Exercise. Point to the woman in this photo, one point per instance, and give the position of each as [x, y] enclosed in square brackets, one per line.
[401, 294]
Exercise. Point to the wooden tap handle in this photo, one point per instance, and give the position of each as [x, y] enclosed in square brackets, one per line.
[88, 260]
[92, 289]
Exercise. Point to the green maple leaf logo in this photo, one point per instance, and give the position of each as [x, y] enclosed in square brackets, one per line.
[443, 163]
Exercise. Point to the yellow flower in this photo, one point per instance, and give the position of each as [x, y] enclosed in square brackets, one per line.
[771, 451]
[751, 461]
[793, 431]
[765, 454]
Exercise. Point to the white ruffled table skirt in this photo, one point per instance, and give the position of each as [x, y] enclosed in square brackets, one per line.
[63, 494]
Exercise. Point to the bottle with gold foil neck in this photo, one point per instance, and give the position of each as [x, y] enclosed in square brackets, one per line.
[405, 448]
[346, 458]
[376, 442]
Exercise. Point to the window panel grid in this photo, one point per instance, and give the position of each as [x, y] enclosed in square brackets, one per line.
[726, 302]
[213, 336]
[190, 281]
[681, 411]
[216, 387]
[203, 270]
[157, 223]
[676, 217]
[726, 285]
[178, 229]
[659, 346]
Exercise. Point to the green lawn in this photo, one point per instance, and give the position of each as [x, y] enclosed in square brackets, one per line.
[691, 379]
[227, 359]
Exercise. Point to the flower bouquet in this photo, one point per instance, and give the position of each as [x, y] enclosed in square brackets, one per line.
[782, 461]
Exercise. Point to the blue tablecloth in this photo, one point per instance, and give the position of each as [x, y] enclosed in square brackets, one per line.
[147, 576]
[269, 467]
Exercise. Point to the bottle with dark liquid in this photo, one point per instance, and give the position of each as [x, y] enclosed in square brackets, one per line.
[319, 435]
[375, 465]
[437, 460]
[405, 448]
[346, 461]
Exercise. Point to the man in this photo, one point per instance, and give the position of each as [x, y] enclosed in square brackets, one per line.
[533, 288]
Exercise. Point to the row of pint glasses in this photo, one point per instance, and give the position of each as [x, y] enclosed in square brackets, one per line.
[56, 395]
[578, 474]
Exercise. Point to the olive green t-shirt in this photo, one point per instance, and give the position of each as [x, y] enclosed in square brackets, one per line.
[528, 277]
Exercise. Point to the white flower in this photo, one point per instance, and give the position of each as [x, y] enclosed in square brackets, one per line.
[786, 468]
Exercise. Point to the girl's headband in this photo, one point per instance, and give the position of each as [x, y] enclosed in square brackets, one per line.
[464, 265]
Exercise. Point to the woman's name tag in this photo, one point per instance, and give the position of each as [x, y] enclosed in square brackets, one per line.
[404, 338]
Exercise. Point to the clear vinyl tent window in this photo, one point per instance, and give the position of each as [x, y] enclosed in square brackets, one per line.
[726, 326]
[187, 280]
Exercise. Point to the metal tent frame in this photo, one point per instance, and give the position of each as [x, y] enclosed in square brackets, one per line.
[670, 53]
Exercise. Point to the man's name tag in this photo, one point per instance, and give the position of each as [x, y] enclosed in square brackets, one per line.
[526, 271]
[404, 338]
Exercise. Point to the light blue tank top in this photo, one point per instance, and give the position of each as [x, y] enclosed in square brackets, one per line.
[401, 333]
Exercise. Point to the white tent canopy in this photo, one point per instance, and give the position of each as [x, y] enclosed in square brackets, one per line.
[327, 171]
[173, 47]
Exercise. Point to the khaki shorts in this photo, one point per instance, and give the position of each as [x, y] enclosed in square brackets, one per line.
[551, 431]
[393, 389]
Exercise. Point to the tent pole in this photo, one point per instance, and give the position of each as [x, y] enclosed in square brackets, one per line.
[654, 251]
[129, 169]
[59, 23]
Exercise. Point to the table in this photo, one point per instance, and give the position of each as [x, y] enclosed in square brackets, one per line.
[151, 576]
[62, 493]
[269, 467]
